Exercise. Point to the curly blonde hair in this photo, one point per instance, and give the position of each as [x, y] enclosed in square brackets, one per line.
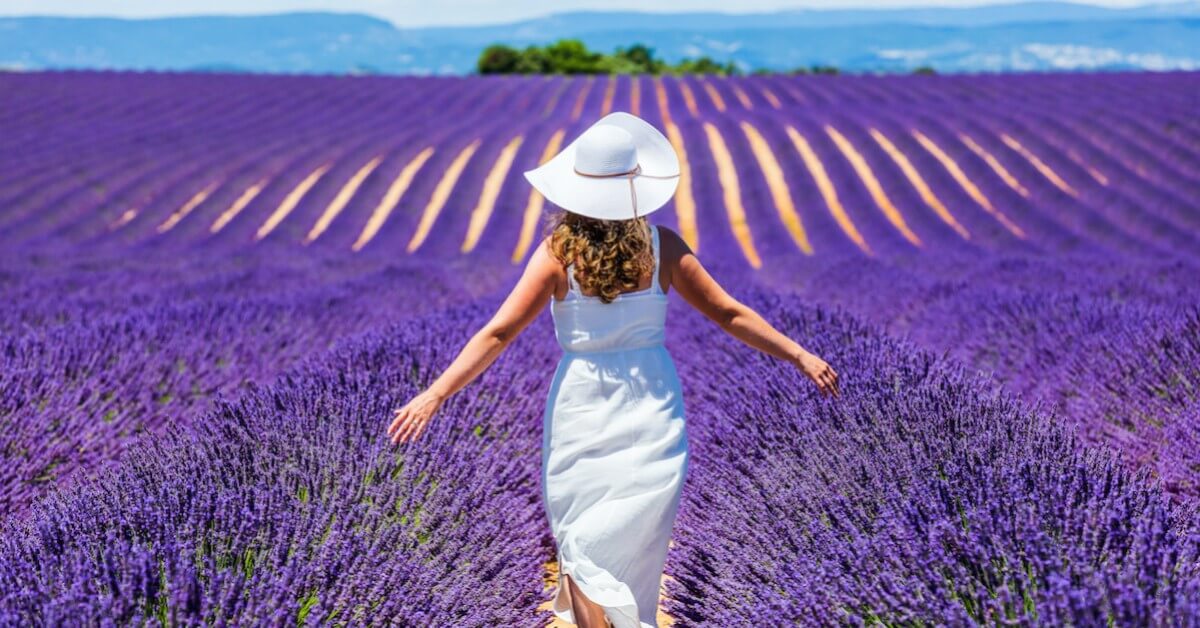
[610, 256]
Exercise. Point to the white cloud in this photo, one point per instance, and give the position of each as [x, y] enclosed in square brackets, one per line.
[913, 56]
[907, 56]
[1073, 57]
[723, 47]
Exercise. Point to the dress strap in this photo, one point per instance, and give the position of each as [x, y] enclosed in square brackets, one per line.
[572, 286]
[655, 287]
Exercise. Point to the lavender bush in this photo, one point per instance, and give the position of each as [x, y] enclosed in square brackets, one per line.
[194, 388]
[925, 494]
[288, 505]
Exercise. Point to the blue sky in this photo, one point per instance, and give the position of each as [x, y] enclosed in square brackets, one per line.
[426, 12]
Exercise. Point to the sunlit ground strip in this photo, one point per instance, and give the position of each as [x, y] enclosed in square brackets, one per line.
[635, 95]
[828, 191]
[609, 91]
[290, 201]
[237, 206]
[772, 98]
[918, 182]
[552, 102]
[391, 198]
[1106, 146]
[714, 96]
[441, 194]
[727, 176]
[997, 167]
[742, 96]
[778, 186]
[1040, 165]
[550, 580]
[965, 182]
[795, 93]
[124, 218]
[685, 203]
[491, 190]
[660, 95]
[1096, 174]
[533, 209]
[186, 208]
[577, 110]
[340, 201]
[872, 184]
[689, 98]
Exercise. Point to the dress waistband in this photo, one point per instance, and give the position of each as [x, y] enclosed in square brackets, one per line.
[612, 349]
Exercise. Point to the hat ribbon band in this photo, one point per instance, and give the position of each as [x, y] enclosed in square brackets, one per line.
[635, 172]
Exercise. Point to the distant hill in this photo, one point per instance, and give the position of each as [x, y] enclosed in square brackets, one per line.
[1028, 36]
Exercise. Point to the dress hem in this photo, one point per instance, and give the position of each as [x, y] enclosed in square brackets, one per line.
[616, 598]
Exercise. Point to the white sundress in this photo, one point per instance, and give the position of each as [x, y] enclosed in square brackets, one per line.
[614, 450]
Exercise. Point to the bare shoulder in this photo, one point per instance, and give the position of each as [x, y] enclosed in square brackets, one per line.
[671, 242]
[541, 253]
[543, 261]
[672, 246]
[689, 277]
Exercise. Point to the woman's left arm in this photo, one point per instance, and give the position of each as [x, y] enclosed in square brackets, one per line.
[527, 299]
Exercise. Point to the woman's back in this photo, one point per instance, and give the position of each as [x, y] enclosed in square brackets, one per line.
[614, 448]
[633, 320]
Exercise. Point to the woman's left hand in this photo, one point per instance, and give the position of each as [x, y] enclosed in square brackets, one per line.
[411, 420]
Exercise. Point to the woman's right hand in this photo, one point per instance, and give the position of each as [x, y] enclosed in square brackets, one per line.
[819, 372]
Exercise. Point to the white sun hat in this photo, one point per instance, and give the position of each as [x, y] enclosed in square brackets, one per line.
[620, 167]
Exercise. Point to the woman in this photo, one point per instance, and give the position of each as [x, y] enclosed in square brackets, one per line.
[614, 449]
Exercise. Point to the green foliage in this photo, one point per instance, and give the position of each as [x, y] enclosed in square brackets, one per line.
[704, 65]
[640, 57]
[816, 69]
[533, 60]
[498, 59]
[306, 605]
[571, 56]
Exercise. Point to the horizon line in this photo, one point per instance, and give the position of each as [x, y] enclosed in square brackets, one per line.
[799, 9]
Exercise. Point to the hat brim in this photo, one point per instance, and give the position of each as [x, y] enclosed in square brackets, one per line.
[610, 198]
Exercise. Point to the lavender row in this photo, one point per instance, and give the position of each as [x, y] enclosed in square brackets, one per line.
[924, 495]
[96, 356]
[1108, 344]
[118, 189]
[289, 505]
[917, 459]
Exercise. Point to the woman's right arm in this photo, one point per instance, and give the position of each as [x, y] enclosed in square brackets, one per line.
[702, 292]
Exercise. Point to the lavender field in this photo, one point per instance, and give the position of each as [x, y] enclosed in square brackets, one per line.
[216, 288]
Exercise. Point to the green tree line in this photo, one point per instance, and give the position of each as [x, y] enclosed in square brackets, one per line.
[571, 56]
